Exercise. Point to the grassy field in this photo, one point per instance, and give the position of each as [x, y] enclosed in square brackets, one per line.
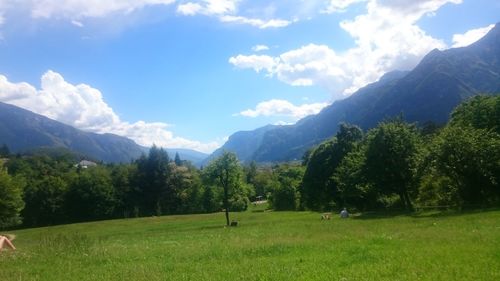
[265, 246]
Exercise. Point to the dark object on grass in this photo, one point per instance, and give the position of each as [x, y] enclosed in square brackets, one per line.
[234, 223]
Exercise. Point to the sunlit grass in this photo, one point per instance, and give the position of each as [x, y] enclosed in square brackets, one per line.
[265, 246]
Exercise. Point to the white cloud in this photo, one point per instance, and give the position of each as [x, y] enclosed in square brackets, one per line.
[83, 107]
[257, 62]
[335, 6]
[262, 24]
[76, 9]
[386, 38]
[260, 48]
[283, 123]
[189, 9]
[208, 7]
[77, 23]
[277, 107]
[227, 11]
[471, 36]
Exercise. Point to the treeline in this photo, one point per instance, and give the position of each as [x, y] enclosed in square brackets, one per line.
[42, 190]
[51, 188]
[395, 165]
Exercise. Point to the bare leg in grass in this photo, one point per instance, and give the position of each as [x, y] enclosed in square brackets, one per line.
[4, 241]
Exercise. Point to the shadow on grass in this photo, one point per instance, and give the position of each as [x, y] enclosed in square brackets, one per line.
[453, 213]
[435, 213]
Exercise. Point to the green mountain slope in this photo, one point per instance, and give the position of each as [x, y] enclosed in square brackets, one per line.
[429, 92]
[22, 130]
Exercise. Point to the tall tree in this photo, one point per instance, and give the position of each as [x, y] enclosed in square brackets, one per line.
[470, 158]
[251, 172]
[4, 151]
[44, 200]
[284, 193]
[318, 190]
[461, 166]
[177, 159]
[152, 181]
[91, 196]
[391, 159]
[225, 171]
[353, 189]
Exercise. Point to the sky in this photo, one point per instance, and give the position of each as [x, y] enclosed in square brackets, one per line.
[188, 74]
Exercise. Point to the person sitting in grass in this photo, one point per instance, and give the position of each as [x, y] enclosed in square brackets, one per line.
[4, 240]
[344, 214]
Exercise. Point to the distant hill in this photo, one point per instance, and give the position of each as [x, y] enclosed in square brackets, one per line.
[22, 130]
[242, 143]
[192, 156]
[429, 92]
[27, 132]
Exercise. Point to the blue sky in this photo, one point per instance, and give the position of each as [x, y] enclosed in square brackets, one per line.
[190, 73]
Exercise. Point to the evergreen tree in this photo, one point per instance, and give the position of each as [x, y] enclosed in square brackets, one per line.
[177, 160]
[4, 151]
[152, 182]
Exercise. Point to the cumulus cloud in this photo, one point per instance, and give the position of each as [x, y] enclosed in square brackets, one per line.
[386, 38]
[83, 107]
[256, 62]
[189, 9]
[276, 107]
[471, 36]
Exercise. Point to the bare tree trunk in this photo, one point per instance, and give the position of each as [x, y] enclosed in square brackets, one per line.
[225, 184]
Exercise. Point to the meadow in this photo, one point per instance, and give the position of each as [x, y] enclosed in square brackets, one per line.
[265, 246]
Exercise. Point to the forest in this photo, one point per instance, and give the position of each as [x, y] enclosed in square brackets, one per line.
[394, 166]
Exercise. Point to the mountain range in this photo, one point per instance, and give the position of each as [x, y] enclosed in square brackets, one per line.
[24, 131]
[429, 92]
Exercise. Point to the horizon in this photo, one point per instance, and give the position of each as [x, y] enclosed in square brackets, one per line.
[188, 74]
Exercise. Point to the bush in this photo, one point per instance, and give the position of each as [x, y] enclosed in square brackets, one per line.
[437, 190]
[11, 199]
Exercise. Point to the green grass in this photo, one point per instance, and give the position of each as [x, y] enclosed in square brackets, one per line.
[265, 246]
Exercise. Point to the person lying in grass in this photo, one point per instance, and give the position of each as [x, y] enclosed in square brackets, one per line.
[6, 240]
